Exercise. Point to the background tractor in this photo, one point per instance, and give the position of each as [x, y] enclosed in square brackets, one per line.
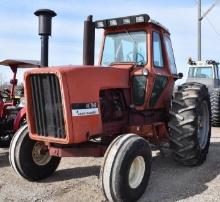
[12, 111]
[208, 73]
[114, 109]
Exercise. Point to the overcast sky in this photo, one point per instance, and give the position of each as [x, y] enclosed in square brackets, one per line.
[19, 39]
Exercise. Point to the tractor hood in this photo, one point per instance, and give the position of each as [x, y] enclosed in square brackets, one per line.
[83, 83]
[78, 88]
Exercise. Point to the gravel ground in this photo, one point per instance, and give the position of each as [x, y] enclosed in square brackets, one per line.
[77, 180]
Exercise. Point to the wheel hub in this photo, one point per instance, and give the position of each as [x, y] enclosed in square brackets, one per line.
[136, 172]
[40, 154]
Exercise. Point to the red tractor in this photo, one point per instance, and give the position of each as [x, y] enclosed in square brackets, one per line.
[12, 111]
[115, 109]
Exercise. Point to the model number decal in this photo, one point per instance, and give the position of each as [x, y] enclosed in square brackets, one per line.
[85, 109]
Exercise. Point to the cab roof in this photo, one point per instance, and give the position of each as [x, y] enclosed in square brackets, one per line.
[127, 20]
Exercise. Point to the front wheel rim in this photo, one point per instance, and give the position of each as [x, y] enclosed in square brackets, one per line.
[40, 154]
[203, 125]
[136, 172]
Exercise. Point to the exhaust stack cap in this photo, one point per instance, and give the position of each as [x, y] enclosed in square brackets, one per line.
[45, 16]
[89, 18]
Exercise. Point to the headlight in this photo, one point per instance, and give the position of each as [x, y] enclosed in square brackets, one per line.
[100, 24]
[126, 21]
[139, 19]
[113, 23]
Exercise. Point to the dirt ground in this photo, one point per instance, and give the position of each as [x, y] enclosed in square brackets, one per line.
[77, 180]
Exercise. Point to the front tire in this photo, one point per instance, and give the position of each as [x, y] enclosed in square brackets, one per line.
[30, 159]
[126, 169]
[190, 124]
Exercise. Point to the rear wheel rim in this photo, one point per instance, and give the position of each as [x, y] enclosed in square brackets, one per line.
[40, 154]
[203, 125]
[136, 172]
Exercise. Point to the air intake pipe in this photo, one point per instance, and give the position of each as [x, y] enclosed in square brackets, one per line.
[89, 41]
[45, 22]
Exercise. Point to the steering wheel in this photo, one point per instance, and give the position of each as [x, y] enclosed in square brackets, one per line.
[136, 56]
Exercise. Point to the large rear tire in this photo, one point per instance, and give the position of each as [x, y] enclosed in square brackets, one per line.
[126, 168]
[30, 159]
[190, 124]
[215, 106]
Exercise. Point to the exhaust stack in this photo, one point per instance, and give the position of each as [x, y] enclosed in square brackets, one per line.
[89, 41]
[45, 23]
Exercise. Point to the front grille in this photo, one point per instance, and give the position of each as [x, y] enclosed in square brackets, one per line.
[47, 105]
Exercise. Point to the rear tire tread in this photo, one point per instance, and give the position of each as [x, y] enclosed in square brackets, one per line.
[215, 107]
[183, 133]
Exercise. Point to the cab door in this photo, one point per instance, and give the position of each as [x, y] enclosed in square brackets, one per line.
[164, 70]
[139, 56]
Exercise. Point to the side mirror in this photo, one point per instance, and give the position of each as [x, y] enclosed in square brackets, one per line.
[13, 81]
[180, 75]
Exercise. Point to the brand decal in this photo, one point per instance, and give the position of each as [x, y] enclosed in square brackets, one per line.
[85, 109]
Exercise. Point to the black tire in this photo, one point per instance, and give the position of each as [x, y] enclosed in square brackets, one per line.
[119, 182]
[190, 124]
[22, 160]
[215, 107]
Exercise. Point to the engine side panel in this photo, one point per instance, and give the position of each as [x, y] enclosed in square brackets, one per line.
[80, 92]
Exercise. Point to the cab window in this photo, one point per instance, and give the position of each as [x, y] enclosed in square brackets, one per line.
[200, 72]
[125, 47]
[170, 55]
[157, 51]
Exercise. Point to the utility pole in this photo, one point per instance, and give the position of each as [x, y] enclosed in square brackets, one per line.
[199, 31]
[200, 18]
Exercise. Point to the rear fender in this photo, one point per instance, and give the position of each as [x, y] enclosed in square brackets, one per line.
[20, 116]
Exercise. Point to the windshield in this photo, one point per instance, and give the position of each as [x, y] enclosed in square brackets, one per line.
[125, 47]
[200, 72]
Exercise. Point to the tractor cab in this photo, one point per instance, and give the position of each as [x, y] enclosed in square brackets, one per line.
[205, 72]
[142, 45]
